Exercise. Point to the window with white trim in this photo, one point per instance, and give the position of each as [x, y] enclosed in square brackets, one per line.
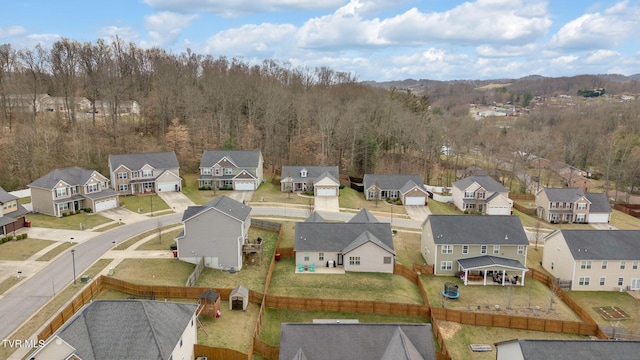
[354, 260]
[205, 171]
[465, 249]
[447, 249]
[582, 206]
[217, 171]
[446, 265]
[604, 265]
[496, 249]
[635, 265]
[623, 265]
[386, 260]
[620, 281]
[469, 194]
[306, 256]
[584, 281]
[92, 188]
[228, 171]
[585, 264]
[602, 280]
[521, 249]
[147, 173]
[122, 175]
[61, 192]
[483, 249]
[123, 187]
[320, 256]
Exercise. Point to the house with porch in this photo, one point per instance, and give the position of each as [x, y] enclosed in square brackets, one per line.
[481, 194]
[64, 191]
[217, 231]
[13, 213]
[125, 329]
[409, 188]
[594, 260]
[481, 249]
[231, 169]
[305, 178]
[143, 173]
[572, 205]
[362, 244]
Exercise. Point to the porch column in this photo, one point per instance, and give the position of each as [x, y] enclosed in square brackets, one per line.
[503, 277]
[466, 276]
[522, 283]
[484, 274]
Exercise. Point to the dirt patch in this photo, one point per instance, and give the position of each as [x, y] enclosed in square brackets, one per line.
[448, 329]
[612, 313]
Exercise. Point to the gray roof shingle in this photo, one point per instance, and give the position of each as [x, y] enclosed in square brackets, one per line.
[248, 159]
[602, 244]
[539, 349]
[487, 182]
[71, 175]
[390, 181]
[329, 236]
[5, 197]
[599, 203]
[563, 194]
[158, 160]
[356, 341]
[488, 260]
[364, 216]
[224, 204]
[313, 172]
[315, 217]
[477, 229]
[127, 329]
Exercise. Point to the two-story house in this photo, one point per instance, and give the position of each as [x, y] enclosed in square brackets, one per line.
[409, 188]
[481, 194]
[572, 205]
[12, 215]
[235, 169]
[145, 172]
[478, 247]
[594, 260]
[71, 189]
[216, 231]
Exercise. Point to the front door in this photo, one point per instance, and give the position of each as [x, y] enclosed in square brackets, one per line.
[339, 259]
[635, 284]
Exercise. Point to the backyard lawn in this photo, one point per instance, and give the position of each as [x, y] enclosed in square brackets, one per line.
[273, 319]
[144, 203]
[252, 276]
[269, 192]
[589, 300]
[72, 222]
[348, 286]
[22, 249]
[170, 272]
[407, 246]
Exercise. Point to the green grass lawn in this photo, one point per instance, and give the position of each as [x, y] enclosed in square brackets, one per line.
[252, 276]
[51, 254]
[512, 300]
[352, 199]
[273, 319]
[161, 242]
[407, 246]
[126, 244]
[22, 249]
[458, 338]
[269, 192]
[440, 208]
[591, 299]
[169, 272]
[71, 222]
[25, 200]
[146, 203]
[190, 190]
[623, 221]
[348, 286]
[9, 282]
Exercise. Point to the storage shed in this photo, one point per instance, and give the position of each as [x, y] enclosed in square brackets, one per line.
[239, 298]
[210, 302]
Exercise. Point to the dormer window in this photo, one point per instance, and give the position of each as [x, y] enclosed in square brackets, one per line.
[303, 173]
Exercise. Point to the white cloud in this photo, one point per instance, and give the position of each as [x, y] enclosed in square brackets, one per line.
[46, 40]
[264, 40]
[12, 31]
[599, 30]
[165, 27]
[601, 57]
[234, 8]
[124, 33]
[505, 51]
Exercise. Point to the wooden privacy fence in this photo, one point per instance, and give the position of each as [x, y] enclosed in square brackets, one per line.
[353, 306]
[286, 253]
[522, 196]
[218, 353]
[196, 272]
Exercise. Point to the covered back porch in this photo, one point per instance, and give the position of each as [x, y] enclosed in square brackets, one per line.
[494, 269]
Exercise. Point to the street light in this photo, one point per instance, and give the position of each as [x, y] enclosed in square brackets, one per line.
[73, 258]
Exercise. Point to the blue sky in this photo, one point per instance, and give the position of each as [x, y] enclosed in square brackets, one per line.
[375, 40]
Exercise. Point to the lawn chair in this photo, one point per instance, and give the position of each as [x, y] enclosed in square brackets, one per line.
[312, 267]
[300, 268]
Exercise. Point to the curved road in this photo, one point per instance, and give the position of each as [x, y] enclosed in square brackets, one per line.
[26, 299]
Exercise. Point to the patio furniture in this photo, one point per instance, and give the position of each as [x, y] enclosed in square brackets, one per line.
[300, 268]
[312, 267]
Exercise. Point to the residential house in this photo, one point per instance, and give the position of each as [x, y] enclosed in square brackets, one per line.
[540, 349]
[572, 177]
[477, 247]
[345, 340]
[123, 107]
[13, 213]
[324, 181]
[481, 194]
[62, 104]
[572, 205]
[594, 260]
[125, 329]
[63, 191]
[145, 172]
[24, 103]
[215, 231]
[409, 188]
[239, 169]
[363, 244]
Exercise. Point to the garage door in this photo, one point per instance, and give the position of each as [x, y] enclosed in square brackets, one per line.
[414, 200]
[244, 185]
[167, 186]
[326, 192]
[498, 210]
[106, 204]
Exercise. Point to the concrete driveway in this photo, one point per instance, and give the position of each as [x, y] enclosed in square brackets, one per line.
[176, 200]
[238, 195]
[417, 212]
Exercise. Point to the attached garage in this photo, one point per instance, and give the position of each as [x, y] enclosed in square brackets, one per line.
[498, 210]
[326, 192]
[168, 186]
[244, 185]
[415, 200]
[101, 205]
[239, 298]
[599, 218]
